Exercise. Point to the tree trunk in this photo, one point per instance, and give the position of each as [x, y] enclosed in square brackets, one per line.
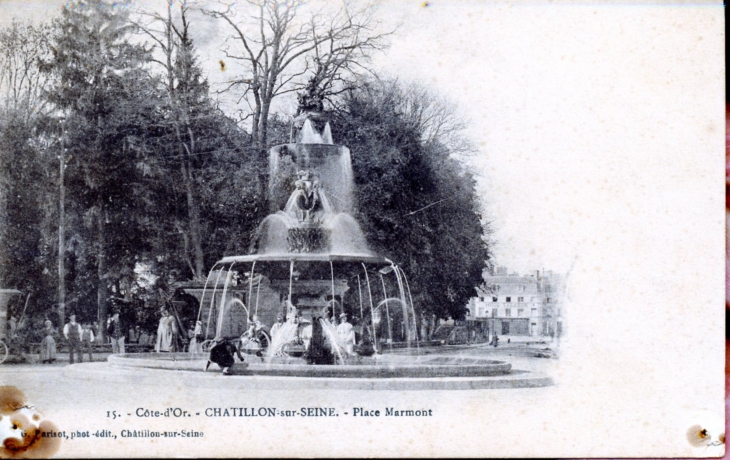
[262, 153]
[194, 220]
[62, 236]
[101, 292]
[4, 221]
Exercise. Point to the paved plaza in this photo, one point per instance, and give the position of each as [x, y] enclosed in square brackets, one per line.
[98, 398]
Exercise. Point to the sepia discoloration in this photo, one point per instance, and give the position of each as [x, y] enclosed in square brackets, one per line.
[11, 399]
[699, 436]
[26, 438]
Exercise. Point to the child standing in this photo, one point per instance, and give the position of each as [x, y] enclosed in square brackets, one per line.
[87, 341]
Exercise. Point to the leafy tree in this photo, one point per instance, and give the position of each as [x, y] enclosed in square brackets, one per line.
[26, 208]
[416, 203]
[23, 187]
[109, 105]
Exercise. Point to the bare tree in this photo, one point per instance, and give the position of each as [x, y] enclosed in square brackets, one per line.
[284, 53]
[22, 84]
[182, 81]
[437, 118]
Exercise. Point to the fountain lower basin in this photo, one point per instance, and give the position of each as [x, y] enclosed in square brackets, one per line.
[384, 372]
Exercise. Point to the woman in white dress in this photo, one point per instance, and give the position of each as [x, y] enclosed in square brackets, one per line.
[166, 333]
[48, 344]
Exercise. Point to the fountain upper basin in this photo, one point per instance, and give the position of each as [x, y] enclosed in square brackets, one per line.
[306, 257]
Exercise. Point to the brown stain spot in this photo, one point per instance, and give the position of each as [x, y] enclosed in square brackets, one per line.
[11, 399]
[33, 444]
[698, 436]
[222, 65]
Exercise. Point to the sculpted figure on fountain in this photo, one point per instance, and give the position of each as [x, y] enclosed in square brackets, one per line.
[307, 198]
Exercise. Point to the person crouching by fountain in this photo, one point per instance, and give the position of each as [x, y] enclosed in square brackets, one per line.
[222, 354]
[166, 332]
[346, 334]
[48, 344]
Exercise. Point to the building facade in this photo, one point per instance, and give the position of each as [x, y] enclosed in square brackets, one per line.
[519, 305]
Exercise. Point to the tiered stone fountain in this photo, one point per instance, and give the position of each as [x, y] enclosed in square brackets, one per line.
[310, 263]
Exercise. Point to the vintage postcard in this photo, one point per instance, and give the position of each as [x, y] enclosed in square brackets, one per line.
[281, 228]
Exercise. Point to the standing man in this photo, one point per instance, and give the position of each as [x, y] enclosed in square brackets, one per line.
[346, 334]
[72, 332]
[116, 333]
[87, 341]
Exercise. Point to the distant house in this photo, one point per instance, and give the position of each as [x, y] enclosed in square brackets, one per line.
[519, 305]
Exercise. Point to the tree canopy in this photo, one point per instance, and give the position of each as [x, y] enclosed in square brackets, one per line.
[117, 164]
[416, 203]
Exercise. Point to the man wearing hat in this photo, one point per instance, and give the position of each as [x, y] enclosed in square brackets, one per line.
[72, 332]
[116, 333]
[346, 334]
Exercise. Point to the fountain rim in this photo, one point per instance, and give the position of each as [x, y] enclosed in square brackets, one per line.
[305, 257]
[308, 143]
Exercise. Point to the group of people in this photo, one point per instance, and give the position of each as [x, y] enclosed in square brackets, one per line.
[80, 338]
[346, 336]
[319, 348]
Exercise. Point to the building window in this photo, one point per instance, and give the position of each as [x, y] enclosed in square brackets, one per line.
[507, 312]
[509, 299]
[520, 299]
[494, 299]
[520, 311]
[534, 312]
[481, 299]
[494, 312]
